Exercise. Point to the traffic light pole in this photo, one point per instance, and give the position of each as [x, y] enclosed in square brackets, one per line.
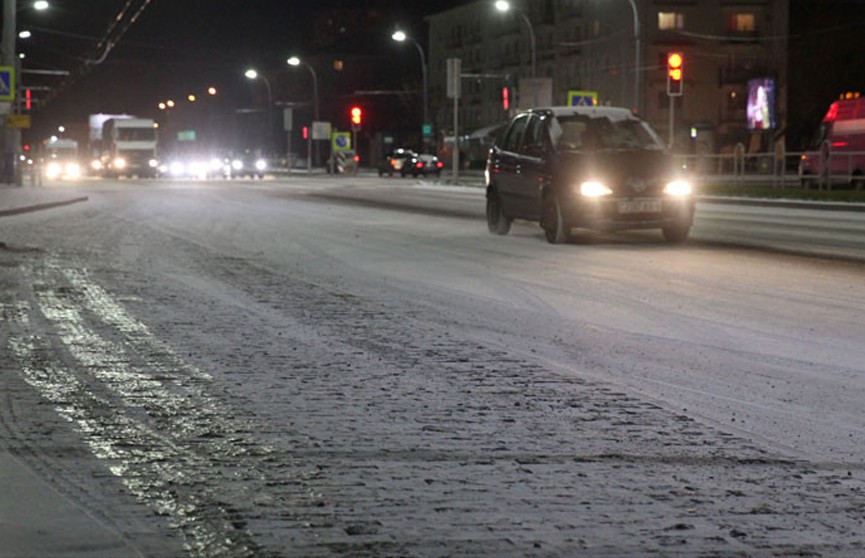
[11, 136]
[672, 119]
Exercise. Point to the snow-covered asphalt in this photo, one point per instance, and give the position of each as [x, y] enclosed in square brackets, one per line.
[355, 367]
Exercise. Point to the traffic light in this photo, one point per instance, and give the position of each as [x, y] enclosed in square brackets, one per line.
[28, 99]
[506, 98]
[305, 132]
[356, 117]
[675, 74]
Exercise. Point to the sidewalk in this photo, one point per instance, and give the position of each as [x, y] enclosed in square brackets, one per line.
[35, 519]
[15, 200]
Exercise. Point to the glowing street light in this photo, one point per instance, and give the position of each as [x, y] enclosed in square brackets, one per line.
[252, 74]
[41, 5]
[504, 6]
[294, 61]
[400, 37]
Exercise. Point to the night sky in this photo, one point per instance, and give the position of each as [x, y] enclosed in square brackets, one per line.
[176, 47]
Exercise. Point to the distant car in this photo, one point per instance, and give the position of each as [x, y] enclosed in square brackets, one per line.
[246, 164]
[425, 164]
[597, 168]
[398, 160]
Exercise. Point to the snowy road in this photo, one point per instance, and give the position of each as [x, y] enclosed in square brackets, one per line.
[359, 369]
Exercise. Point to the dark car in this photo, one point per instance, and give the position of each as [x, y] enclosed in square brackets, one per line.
[398, 160]
[424, 164]
[599, 168]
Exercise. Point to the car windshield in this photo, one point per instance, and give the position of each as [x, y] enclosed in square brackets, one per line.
[582, 132]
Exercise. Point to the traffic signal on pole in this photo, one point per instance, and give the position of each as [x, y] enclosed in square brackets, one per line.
[356, 116]
[305, 132]
[506, 98]
[675, 74]
[28, 99]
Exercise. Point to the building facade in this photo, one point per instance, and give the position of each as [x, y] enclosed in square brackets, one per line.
[618, 49]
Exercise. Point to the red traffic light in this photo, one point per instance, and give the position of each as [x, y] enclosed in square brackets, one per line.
[305, 132]
[506, 101]
[356, 116]
[675, 73]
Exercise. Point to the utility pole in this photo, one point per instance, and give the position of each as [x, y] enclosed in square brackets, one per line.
[11, 136]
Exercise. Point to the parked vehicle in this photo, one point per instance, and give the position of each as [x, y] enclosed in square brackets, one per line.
[586, 167]
[838, 147]
[396, 161]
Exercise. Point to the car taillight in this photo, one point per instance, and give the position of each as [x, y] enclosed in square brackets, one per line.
[357, 158]
[439, 164]
[392, 163]
[419, 164]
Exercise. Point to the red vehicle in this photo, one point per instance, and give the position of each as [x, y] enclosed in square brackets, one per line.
[838, 148]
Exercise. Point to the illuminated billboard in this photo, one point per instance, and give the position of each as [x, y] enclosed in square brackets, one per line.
[761, 104]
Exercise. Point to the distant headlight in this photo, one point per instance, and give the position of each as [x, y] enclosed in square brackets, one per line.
[120, 163]
[260, 164]
[96, 164]
[153, 163]
[53, 170]
[73, 171]
[679, 188]
[177, 168]
[593, 189]
[237, 164]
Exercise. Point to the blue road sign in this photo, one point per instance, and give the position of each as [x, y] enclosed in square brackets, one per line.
[7, 83]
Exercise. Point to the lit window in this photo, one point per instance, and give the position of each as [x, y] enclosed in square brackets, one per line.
[338, 65]
[671, 21]
[742, 23]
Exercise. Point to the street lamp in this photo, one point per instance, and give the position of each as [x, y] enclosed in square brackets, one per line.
[637, 61]
[400, 36]
[252, 74]
[505, 6]
[295, 61]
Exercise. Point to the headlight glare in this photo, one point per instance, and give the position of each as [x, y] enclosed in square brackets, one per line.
[679, 188]
[594, 189]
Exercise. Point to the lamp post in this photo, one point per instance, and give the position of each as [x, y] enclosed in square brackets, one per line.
[295, 61]
[400, 36]
[10, 135]
[505, 6]
[637, 60]
[253, 75]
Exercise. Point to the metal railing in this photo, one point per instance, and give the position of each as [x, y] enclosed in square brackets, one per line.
[781, 168]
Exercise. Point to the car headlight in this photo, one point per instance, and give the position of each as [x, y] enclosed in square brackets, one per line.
[73, 170]
[237, 164]
[177, 168]
[153, 163]
[120, 163]
[593, 189]
[96, 164]
[260, 164]
[679, 188]
[53, 170]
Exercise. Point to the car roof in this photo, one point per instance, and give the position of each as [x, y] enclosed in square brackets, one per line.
[613, 113]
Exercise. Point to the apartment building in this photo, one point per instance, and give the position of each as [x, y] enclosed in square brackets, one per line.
[618, 49]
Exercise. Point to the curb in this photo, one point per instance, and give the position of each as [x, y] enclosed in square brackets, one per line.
[791, 204]
[40, 207]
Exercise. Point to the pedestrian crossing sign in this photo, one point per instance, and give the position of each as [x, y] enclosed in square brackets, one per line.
[7, 83]
[582, 98]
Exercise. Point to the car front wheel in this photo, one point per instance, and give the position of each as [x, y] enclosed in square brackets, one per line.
[497, 221]
[556, 229]
[676, 233]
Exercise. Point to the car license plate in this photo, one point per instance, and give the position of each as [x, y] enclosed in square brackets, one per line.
[640, 206]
